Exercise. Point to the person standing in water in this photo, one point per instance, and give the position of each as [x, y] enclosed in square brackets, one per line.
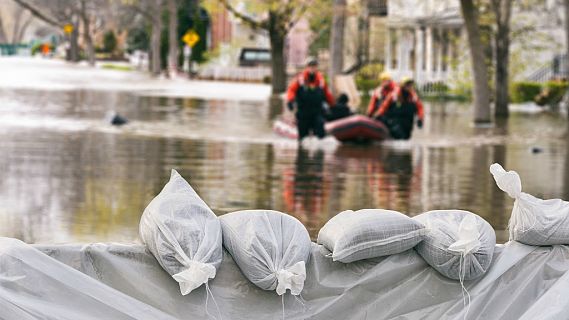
[380, 93]
[309, 91]
[398, 110]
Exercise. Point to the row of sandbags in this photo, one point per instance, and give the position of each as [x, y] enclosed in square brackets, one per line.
[271, 248]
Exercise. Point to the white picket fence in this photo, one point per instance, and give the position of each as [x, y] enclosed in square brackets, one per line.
[252, 74]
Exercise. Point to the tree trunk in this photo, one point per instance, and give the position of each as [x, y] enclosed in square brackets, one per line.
[278, 62]
[337, 41]
[23, 29]
[479, 71]
[16, 26]
[74, 42]
[567, 50]
[173, 37]
[155, 37]
[3, 33]
[502, 10]
[90, 48]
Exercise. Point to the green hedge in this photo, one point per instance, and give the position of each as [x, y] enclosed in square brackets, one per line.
[366, 85]
[524, 91]
[367, 78]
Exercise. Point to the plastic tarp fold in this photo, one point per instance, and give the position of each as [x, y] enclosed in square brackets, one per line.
[125, 281]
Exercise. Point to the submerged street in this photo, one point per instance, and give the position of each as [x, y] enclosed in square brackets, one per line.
[68, 176]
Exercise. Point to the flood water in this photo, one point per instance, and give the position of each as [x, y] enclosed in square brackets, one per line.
[67, 176]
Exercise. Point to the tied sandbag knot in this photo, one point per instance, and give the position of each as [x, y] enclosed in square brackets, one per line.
[291, 278]
[507, 181]
[523, 218]
[194, 276]
[468, 237]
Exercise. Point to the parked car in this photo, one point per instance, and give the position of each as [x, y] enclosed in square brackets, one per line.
[254, 57]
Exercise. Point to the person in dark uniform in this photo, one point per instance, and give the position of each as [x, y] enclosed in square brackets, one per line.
[309, 91]
[380, 93]
[340, 110]
[398, 111]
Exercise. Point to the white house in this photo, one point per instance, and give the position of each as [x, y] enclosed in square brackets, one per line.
[426, 39]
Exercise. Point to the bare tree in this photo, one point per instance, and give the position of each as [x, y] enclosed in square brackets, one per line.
[280, 17]
[502, 12]
[3, 38]
[567, 53]
[86, 19]
[479, 70]
[57, 13]
[337, 40]
[21, 24]
[151, 12]
[172, 36]
[156, 6]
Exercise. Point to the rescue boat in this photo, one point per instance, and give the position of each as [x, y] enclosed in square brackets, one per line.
[356, 128]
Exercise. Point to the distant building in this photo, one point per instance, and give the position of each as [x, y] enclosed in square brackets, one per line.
[426, 40]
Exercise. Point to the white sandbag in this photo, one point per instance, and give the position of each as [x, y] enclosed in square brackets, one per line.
[533, 221]
[183, 234]
[459, 245]
[356, 235]
[271, 248]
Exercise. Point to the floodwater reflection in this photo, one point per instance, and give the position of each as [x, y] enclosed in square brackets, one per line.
[66, 176]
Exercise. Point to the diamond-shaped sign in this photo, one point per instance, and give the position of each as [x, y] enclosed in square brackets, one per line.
[191, 38]
[68, 28]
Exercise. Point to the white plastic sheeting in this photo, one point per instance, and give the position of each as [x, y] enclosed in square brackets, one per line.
[36, 286]
[524, 282]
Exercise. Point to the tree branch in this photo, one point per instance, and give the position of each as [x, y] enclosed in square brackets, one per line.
[38, 14]
[299, 14]
[142, 12]
[250, 21]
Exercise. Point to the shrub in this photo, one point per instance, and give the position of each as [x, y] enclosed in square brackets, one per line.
[524, 91]
[109, 42]
[36, 48]
[367, 78]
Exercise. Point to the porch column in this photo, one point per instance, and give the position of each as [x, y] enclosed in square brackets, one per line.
[440, 53]
[399, 36]
[387, 55]
[419, 62]
[429, 49]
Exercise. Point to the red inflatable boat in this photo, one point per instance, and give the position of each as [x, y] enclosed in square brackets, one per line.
[352, 128]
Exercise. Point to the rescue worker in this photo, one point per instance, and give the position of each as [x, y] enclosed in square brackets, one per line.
[309, 91]
[398, 110]
[380, 93]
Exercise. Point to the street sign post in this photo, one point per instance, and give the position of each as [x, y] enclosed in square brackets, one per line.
[190, 38]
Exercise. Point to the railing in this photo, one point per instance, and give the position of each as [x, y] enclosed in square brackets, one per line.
[436, 88]
[252, 74]
[556, 69]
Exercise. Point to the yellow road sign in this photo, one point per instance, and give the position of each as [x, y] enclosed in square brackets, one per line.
[68, 28]
[191, 38]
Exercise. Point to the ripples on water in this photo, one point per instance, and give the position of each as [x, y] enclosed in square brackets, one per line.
[65, 175]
